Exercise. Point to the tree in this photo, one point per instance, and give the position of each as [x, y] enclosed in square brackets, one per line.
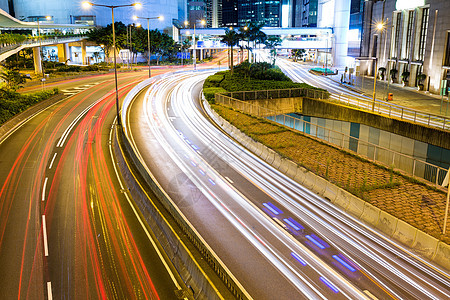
[271, 43]
[231, 38]
[297, 53]
[13, 78]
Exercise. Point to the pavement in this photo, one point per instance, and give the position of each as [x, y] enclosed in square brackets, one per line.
[405, 96]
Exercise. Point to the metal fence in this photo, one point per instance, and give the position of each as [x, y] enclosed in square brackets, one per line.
[391, 110]
[410, 165]
[34, 42]
[277, 94]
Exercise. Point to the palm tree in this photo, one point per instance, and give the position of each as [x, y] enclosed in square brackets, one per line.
[231, 38]
[271, 43]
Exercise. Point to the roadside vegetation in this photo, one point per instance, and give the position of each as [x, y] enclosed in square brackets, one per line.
[12, 102]
[249, 77]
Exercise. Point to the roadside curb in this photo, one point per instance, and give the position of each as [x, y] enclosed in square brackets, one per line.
[422, 243]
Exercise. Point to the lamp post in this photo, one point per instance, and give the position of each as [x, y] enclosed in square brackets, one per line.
[374, 83]
[149, 41]
[248, 43]
[137, 5]
[40, 49]
[194, 58]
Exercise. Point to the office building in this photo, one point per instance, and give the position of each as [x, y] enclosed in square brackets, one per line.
[414, 39]
[265, 12]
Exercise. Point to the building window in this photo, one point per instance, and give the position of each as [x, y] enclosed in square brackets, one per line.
[423, 33]
[409, 31]
[447, 52]
[398, 24]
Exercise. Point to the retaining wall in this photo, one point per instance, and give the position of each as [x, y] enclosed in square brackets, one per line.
[424, 244]
[325, 109]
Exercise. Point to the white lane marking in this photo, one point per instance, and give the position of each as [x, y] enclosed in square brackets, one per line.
[79, 88]
[49, 291]
[43, 188]
[74, 122]
[44, 232]
[53, 160]
[231, 181]
[172, 276]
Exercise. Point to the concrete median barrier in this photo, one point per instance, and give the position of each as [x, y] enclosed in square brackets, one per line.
[371, 214]
[387, 223]
[425, 244]
[442, 256]
[277, 161]
[405, 233]
[355, 206]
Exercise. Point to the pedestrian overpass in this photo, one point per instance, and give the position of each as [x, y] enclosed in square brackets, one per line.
[291, 38]
[7, 22]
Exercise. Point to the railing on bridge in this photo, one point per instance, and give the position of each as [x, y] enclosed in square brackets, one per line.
[411, 165]
[34, 42]
[391, 110]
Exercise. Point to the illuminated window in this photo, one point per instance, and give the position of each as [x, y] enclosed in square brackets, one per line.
[409, 33]
[423, 33]
[447, 52]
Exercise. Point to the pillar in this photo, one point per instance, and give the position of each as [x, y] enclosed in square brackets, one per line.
[37, 60]
[201, 54]
[61, 53]
[68, 55]
[83, 52]
[341, 25]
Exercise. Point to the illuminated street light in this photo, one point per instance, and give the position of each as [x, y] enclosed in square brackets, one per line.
[86, 5]
[186, 23]
[149, 40]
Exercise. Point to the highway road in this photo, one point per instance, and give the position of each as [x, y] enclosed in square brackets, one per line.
[67, 228]
[279, 240]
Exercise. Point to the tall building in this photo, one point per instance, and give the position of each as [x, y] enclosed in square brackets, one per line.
[229, 13]
[414, 39]
[267, 12]
[356, 27]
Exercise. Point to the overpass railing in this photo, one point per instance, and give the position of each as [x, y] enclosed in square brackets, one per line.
[34, 42]
[410, 165]
[395, 111]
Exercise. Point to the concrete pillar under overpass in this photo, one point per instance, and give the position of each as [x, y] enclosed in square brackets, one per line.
[68, 55]
[341, 25]
[37, 60]
[83, 52]
[61, 53]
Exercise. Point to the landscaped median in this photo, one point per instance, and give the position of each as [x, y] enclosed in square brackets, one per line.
[408, 210]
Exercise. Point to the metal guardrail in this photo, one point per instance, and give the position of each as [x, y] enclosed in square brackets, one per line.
[403, 113]
[277, 94]
[413, 166]
[35, 42]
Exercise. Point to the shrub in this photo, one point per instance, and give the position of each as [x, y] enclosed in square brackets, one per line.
[209, 93]
[12, 103]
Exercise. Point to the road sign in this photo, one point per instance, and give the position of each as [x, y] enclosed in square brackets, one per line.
[184, 55]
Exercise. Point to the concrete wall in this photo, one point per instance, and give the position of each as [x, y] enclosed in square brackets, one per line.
[323, 109]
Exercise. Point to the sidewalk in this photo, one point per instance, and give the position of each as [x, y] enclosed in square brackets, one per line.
[404, 96]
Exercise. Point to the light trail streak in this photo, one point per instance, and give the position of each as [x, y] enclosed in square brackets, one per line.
[277, 260]
[250, 166]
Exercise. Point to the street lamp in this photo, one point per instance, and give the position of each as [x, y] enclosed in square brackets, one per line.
[40, 48]
[194, 58]
[86, 5]
[149, 38]
[248, 43]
